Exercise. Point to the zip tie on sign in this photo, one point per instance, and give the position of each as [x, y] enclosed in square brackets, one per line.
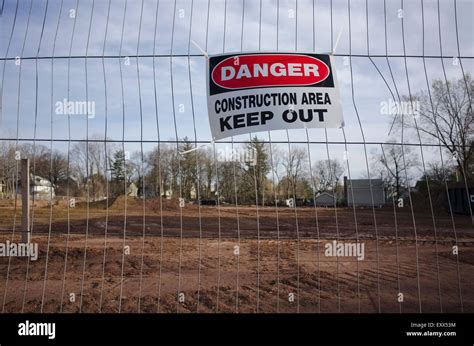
[200, 49]
[337, 40]
[196, 148]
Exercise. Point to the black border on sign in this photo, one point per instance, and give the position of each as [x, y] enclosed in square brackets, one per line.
[213, 60]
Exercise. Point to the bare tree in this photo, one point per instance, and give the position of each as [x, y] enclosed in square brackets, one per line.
[40, 157]
[446, 114]
[394, 164]
[58, 168]
[163, 170]
[438, 173]
[294, 163]
[254, 172]
[154, 177]
[207, 171]
[188, 171]
[89, 163]
[327, 174]
[8, 167]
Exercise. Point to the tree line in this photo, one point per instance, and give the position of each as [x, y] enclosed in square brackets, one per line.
[264, 173]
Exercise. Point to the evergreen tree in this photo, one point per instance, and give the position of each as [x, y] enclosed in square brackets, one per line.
[117, 166]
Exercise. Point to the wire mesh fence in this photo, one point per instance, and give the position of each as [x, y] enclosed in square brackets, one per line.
[134, 207]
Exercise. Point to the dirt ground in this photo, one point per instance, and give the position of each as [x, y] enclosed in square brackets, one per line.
[184, 259]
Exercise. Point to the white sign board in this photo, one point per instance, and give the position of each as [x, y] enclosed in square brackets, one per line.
[253, 92]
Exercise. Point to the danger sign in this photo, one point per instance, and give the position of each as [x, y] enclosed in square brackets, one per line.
[255, 92]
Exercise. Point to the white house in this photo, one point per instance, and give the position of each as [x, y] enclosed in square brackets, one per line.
[41, 188]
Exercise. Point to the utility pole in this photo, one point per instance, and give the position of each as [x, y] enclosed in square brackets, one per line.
[25, 201]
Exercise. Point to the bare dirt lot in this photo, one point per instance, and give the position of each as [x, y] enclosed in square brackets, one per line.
[158, 257]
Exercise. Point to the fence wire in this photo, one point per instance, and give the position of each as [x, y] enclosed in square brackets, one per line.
[136, 209]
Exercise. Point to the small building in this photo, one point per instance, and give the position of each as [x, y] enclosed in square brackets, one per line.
[193, 193]
[324, 200]
[168, 194]
[357, 192]
[462, 201]
[41, 189]
[132, 190]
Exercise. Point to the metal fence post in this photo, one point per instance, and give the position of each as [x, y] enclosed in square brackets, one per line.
[25, 201]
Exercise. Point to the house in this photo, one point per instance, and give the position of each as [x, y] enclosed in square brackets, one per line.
[41, 188]
[324, 200]
[132, 190]
[193, 193]
[357, 192]
[462, 200]
[168, 194]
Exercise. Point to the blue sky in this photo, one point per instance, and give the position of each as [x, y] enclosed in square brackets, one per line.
[303, 26]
